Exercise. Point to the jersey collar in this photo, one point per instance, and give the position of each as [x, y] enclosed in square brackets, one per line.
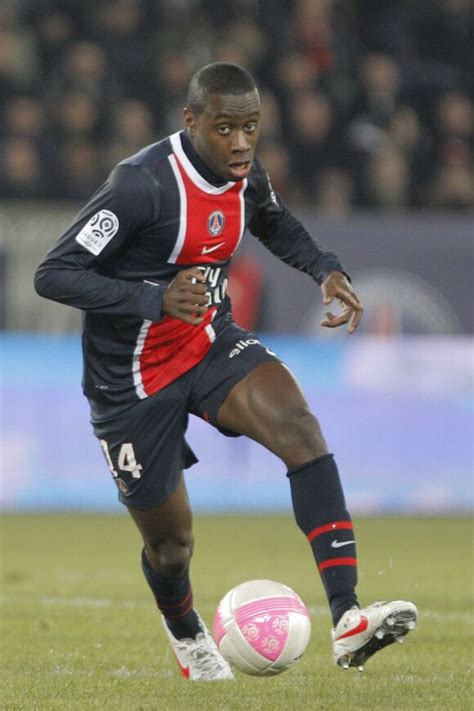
[195, 167]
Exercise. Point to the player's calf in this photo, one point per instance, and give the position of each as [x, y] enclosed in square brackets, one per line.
[320, 512]
[174, 599]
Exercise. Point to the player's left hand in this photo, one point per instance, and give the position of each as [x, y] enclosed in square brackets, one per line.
[336, 286]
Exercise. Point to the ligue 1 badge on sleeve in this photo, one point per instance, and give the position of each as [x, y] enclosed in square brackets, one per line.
[215, 223]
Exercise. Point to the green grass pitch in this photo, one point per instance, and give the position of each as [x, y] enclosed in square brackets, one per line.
[80, 630]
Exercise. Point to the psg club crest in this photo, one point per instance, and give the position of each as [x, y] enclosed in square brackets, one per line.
[215, 223]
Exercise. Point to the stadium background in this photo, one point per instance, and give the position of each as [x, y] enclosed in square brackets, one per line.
[367, 133]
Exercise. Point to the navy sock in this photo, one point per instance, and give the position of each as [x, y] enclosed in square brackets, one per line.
[174, 597]
[320, 512]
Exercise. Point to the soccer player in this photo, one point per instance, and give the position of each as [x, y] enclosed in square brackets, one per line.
[146, 260]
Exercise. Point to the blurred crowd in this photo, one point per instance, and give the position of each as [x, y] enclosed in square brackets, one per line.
[366, 103]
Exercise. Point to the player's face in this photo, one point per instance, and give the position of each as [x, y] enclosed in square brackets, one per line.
[225, 134]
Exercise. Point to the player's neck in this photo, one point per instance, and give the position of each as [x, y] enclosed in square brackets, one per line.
[198, 162]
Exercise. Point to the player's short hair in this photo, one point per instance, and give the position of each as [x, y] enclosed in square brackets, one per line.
[217, 78]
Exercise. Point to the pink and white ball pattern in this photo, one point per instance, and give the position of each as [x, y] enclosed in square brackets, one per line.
[267, 633]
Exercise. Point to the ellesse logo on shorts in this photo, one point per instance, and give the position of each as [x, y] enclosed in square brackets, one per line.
[242, 345]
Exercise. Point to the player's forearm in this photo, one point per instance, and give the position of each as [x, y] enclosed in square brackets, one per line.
[89, 291]
[305, 256]
[290, 242]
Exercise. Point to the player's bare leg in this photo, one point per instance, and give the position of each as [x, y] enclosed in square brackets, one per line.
[168, 548]
[269, 407]
[167, 533]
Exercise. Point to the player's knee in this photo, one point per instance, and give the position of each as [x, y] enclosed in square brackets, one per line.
[171, 557]
[300, 438]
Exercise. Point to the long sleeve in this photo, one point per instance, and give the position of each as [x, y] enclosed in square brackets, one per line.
[71, 272]
[285, 236]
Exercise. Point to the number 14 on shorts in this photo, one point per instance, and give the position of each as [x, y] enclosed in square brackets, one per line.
[127, 462]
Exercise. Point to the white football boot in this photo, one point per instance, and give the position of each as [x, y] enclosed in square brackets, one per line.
[361, 633]
[199, 659]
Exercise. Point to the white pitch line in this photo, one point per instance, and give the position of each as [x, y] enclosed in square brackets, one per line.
[466, 617]
[102, 602]
[84, 601]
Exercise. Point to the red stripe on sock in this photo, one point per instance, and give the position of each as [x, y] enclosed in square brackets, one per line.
[334, 526]
[175, 604]
[178, 616]
[336, 561]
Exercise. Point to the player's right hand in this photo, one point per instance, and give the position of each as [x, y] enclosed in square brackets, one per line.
[185, 298]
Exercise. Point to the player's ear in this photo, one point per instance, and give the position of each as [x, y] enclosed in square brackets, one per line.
[190, 121]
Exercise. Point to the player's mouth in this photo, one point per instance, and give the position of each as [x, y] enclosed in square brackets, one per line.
[239, 169]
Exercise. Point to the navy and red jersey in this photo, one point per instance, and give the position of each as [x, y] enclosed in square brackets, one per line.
[160, 211]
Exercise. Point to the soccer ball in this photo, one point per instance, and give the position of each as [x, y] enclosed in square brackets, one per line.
[262, 627]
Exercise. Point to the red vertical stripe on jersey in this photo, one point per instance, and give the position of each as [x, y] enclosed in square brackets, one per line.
[211, 228]
[200, 246]
[171, 348]
[334, 526]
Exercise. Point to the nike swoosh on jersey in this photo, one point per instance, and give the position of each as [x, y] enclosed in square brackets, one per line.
[339, 544]
[208, 250]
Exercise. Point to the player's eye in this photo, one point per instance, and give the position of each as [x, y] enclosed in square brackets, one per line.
[224, 130]
[251, 126]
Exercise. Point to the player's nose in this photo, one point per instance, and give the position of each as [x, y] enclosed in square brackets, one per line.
[240, 142]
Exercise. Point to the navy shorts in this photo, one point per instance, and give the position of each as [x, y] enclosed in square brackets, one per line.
[144, 443]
